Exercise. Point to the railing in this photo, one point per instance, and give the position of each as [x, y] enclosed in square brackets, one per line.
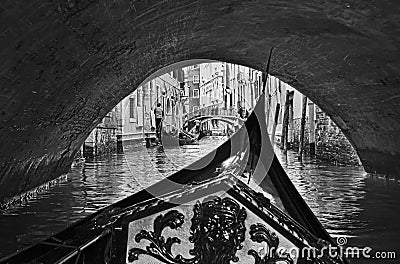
[212, 110]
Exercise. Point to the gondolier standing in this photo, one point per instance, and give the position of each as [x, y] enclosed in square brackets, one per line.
[159, 115]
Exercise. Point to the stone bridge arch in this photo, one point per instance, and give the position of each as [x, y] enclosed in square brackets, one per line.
[65, 64]
[230, 120]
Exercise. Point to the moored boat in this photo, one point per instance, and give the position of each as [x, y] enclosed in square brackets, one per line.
[178, 139]
[236, 204]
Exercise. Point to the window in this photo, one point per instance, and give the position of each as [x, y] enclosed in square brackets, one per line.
[158, 92]
[150, 93]
[196, 93]
[132, 107]
[196, 79]
[139, 96]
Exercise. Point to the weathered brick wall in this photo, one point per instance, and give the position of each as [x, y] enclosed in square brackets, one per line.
[106, 142]
[103, 138]
[331, 144]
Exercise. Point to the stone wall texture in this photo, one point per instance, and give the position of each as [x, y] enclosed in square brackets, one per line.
[103, 139]
[296, 135]
[331, 144]
[66, 63]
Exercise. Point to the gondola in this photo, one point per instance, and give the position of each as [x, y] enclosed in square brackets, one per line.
[235, 205]
[179, 139]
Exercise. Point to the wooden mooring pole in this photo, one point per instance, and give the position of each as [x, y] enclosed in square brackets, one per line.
[277, 110]
[302, 125]
[311, 119]
[284, 136]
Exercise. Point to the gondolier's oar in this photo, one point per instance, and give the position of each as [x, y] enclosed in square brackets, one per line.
[265, 79]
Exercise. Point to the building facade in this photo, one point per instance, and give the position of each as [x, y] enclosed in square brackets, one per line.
[132, 119]
[212, 84]
[191, 88]
[243, 86]
[137, 109]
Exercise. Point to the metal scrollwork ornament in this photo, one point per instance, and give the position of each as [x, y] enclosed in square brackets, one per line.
[160, 248]
[260, 233]
[217, 232]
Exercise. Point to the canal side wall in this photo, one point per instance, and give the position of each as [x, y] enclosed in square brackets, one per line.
[296, 135]
[103, 139]
[331, 144]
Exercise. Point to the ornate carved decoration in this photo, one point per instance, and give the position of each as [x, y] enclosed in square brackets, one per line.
[217, 232]
[160, 248]
[259, 233]
[275, 213]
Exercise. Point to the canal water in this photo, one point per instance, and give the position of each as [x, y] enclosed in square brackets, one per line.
[361, 209]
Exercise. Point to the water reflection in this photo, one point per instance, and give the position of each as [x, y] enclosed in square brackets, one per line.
[346, 200]
[91, 186]
[349, 203]
[333, 193]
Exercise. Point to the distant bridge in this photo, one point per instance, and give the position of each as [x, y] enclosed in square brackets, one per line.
[212, 113]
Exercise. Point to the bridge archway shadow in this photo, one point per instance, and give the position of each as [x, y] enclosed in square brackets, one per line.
[67, 65]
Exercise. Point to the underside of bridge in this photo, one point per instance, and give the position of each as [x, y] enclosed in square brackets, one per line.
[66, 63]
